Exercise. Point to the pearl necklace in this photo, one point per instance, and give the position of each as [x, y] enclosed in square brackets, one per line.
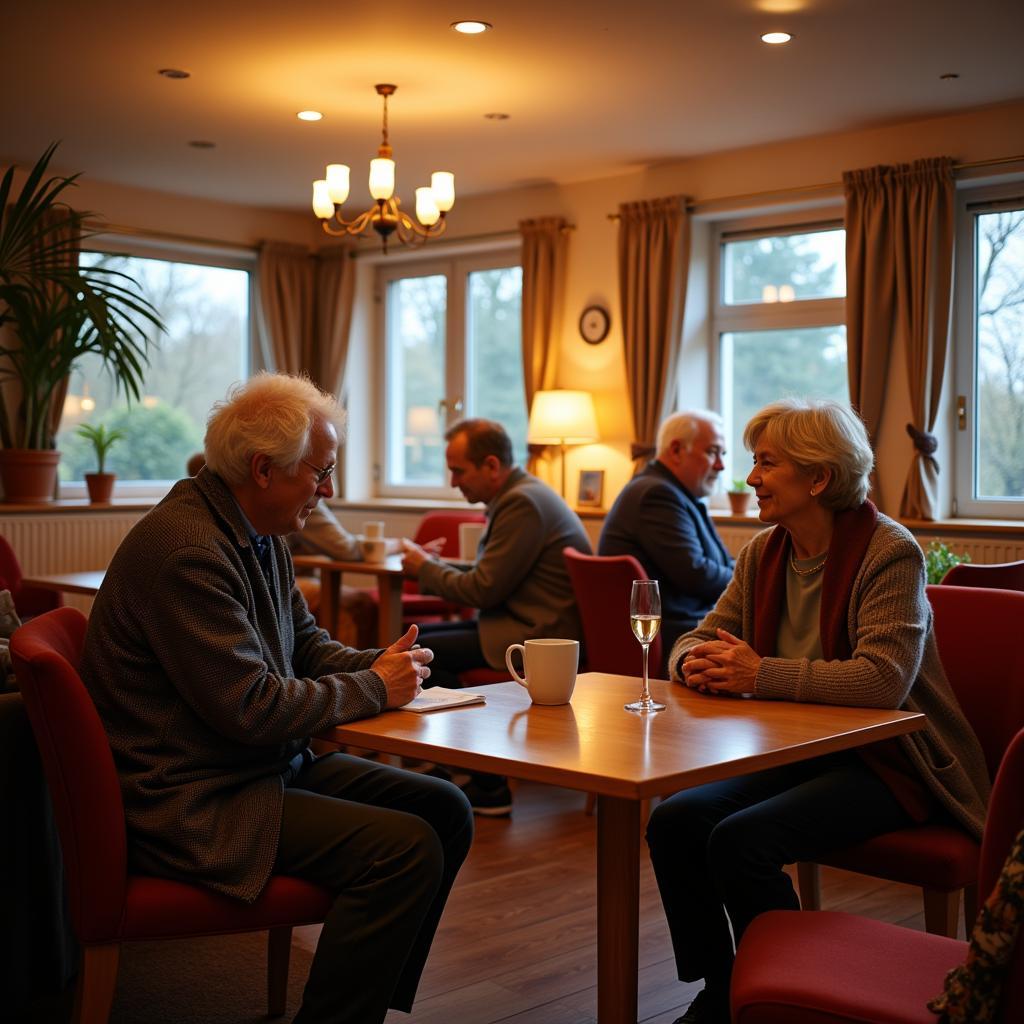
[809, 571]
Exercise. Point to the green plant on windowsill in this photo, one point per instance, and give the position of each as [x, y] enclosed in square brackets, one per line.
[99, 484]
[939, 559]
[739, 486]
[739, 496]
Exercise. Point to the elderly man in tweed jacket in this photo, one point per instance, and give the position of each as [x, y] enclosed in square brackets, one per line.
[210, 676]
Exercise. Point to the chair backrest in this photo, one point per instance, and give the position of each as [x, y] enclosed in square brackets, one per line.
[79, 769]
[10, 569]
[1005, 819]
[443, 524]
[976, 632]
[1002, 575]
[28, 601]
[602, 585]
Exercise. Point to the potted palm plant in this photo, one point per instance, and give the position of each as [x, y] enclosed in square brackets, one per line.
[99, 484]
[53, 312]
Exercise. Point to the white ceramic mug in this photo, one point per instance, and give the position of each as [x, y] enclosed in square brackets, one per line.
[550, 669]
[374, 529]
[374, 549]
[469, 540]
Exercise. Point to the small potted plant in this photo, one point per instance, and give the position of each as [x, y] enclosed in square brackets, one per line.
[939, 559]
[739, 497]
[99, 484]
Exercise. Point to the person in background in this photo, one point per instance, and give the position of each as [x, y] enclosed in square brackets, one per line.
[210, 676]
[660, 519]
[519, 580]
[827, 607]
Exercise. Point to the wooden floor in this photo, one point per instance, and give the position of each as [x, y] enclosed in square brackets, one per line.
[517, 943]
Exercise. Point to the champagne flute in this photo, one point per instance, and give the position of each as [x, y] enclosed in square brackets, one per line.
[645, 618]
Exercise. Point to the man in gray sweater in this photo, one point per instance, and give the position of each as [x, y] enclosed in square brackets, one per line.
[519, 580]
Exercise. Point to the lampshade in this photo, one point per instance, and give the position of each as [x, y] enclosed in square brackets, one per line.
[562, 417]
[422, 421]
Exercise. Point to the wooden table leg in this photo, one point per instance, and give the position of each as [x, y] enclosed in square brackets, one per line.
[330, 600]
[618, 909]
[389, 616]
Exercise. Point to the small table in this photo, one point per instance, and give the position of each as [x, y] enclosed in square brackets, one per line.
[390, 578]
[69, 582]
[594, 745]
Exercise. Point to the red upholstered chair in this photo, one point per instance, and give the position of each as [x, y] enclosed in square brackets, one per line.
[794, 967]
[108, 904]
[988, 680]
[417, 607]
[1001, 575]
[28, 601]
[602, 585]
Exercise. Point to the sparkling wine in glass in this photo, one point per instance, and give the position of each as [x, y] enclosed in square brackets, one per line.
[645, 618]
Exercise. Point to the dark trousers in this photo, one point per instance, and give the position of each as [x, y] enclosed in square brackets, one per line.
[720, 848]
[456, 647]
[389, 843]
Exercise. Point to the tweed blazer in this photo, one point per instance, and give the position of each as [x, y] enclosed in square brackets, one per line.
[657, 521]
[209, 680]
[895, 664]
[519, 581]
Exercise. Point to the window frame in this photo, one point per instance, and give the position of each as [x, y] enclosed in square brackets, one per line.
[762, 316]
[456, 265]
[172, 250]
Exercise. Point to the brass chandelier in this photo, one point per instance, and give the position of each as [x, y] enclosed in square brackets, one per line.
[386, 216]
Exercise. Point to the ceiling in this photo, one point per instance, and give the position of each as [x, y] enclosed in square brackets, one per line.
[593, 88]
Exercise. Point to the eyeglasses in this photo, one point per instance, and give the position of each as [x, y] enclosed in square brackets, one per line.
[321, 474]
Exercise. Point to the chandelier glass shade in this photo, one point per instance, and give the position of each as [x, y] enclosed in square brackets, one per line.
[386, 216]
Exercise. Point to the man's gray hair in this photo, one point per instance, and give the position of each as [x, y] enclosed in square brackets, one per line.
[683, 427]
[819, 434]
[270, 414]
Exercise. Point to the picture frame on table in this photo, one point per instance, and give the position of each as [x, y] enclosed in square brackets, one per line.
[591, 488]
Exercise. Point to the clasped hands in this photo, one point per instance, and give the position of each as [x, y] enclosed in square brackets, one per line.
[725, 665]
[403, 667]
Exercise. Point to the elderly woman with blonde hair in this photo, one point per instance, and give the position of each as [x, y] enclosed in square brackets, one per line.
[827, 607]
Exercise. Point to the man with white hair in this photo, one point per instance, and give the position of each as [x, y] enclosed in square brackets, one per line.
[210, 676]
[660, 520]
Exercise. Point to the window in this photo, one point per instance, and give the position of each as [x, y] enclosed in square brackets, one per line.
[779, 321]
[989, 354]
[452, 348]
[205, 309]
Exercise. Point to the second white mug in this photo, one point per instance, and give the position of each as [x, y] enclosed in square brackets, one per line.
[549, 669]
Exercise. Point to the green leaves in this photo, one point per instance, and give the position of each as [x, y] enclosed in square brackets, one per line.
[939, 559]
[101, 439]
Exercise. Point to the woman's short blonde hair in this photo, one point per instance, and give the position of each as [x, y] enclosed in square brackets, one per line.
[819, 435]
[270, 414]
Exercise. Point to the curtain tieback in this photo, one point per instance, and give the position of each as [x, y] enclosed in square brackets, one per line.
[638, 450]
[925, 443]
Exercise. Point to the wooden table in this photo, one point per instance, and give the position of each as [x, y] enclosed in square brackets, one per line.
[389, 577]
[594, 745]
[69, 582]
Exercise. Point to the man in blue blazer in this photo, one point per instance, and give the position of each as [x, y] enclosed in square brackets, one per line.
[659, 519]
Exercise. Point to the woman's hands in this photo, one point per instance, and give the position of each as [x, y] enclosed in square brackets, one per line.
[725, 665]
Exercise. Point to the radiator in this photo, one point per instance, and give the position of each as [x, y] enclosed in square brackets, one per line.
[66, 542]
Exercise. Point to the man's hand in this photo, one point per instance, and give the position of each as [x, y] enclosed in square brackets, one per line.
[725, 665]
[413, 556]
[403, 667]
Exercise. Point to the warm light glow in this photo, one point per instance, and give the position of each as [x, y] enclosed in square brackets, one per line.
[427, 212]
[88, 404]
[471, 28]
[337, 182]
[150, 401]
[309, 115]
[322, 205]
[422, 421]
[562, 417]
[786, 293]
[776, 38]
[442, 183]
[382, 177]
[769, 293]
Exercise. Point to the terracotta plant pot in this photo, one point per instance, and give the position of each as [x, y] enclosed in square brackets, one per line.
[100, 487]
[740, 501]
[29, 475]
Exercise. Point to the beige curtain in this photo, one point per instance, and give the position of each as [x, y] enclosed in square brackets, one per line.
[545, 258]
[67, 231]
[334, 287]
[654, 256]
[285, 310]
[899, 249]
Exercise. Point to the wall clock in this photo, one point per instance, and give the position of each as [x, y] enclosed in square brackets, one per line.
[594, 324]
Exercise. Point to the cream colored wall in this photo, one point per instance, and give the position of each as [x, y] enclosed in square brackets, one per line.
[979, 135]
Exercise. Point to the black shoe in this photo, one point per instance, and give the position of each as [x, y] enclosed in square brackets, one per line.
[490, 803]
[705, 1009]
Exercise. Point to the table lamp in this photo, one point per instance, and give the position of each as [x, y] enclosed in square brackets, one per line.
[562, 417]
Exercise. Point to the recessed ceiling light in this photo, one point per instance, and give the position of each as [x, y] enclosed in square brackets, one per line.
[309, 115]
[776, 38]
[471, 28]
[174, 73]
[497, 116]
[202, 144]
